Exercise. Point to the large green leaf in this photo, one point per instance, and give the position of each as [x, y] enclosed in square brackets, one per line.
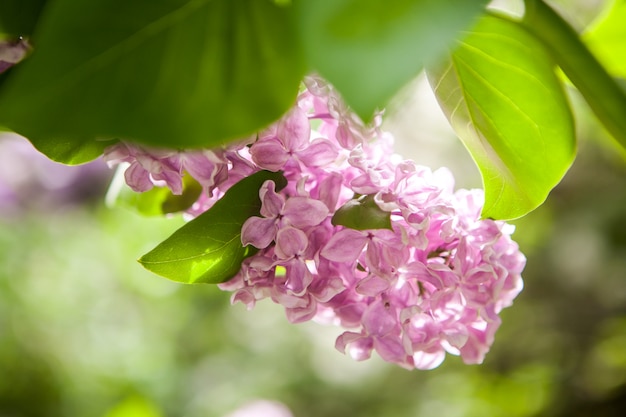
[19, 17]
[501, 95]
[369, 49]
[208, 249]
[174, 73]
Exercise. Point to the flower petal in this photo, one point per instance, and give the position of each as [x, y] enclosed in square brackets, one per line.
[329, 190]
[138, 178]
[303, 313]
[391, 350]
[272, 203]
[372, 285]
[173, 179]
[428, 360]
[345, 246]
[298, 277]
[294, 129]
[203, 166]
[302, 211]
[378, 320]
[359, 347]
[319, 153]
[290, 242]
[269, 154]
[258, 232]
[114, 154]
[325, 288]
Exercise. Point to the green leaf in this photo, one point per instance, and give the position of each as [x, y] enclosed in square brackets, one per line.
[501, 95]
[157, 201]
[71, 152]
[171, 73]
[607, 39]
[208, 249]
[602, 92]
[19, 17]
[369, 49]
[362, 213]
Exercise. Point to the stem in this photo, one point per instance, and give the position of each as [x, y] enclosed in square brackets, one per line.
[600, 90]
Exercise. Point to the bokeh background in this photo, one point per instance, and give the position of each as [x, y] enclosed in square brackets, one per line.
[85, 331]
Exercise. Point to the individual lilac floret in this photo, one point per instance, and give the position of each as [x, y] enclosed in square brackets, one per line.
[12, 52]
[433, 283]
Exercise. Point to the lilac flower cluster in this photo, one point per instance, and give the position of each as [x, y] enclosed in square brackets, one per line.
[432, 283]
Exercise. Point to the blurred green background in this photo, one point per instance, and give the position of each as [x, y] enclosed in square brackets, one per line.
[84, 331]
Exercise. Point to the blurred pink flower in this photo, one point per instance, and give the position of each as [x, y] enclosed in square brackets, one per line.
[262, 408]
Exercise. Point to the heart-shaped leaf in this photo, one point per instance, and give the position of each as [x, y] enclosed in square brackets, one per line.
[501, 95]
[208, 249]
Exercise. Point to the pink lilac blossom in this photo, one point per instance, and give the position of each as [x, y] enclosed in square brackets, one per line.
[433, 283]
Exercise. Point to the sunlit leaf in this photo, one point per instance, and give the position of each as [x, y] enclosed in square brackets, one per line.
[501, 95]
[174, 73]
[369, 49]
[362, 214]
[208, 249]
[599, 89]
[607, 39]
